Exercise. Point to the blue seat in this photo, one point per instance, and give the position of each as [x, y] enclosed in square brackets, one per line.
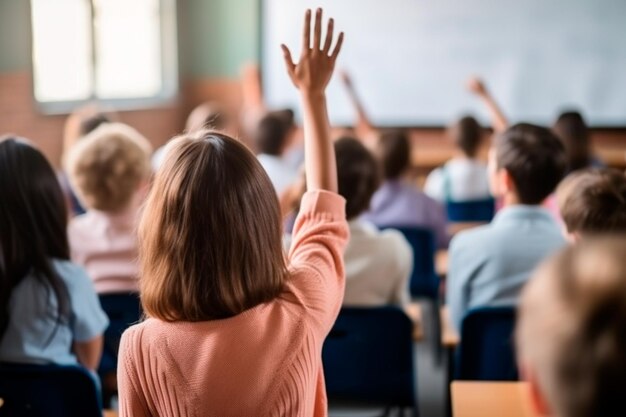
[48, 391]
[486, 352]
[123, 310]
[471, 211]
[368, 358]
[424, 281]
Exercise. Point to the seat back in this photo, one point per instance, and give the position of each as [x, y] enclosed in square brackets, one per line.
[48, 391]
[123, 310]
[471, 211]
[368, 358]
[424, 281]
[487, 352]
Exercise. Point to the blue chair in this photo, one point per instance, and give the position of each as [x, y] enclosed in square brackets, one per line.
[424, 281]
[368, 359]
[486, 352]
[48, 391]
[471, 211]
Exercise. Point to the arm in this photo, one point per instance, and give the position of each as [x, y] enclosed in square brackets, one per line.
[89, 352]
[457, 282]
[131, 402]
[364, 128]
[311, 76]
[498, 119]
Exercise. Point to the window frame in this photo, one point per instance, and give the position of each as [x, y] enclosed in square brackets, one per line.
[169, 69]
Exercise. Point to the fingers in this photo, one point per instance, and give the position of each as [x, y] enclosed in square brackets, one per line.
[329, 36]
[337, 47]
[317, 30]
[306, 33]
[288, 60]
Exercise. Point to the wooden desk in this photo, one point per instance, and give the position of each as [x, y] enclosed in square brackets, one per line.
[109, 413]
[491, 399]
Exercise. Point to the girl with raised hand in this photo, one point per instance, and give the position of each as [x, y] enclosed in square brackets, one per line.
[234, 328]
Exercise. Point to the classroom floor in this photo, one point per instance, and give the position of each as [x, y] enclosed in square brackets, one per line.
[431, 379]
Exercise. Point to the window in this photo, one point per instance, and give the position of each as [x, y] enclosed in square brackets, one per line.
[116, 51]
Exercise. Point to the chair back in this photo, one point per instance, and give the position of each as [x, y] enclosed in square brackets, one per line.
[123, 310]
[48, 391]
[487, 352]
[368, 358]
[424, 281]
[471, 211]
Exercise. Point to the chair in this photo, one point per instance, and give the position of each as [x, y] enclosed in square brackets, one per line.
[471, 211]
[486, 352]
[123, 310]
[368, 359]
[48, 391]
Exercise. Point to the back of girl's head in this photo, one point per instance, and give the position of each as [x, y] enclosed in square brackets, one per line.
[210, 234]
[107, 167]
[358, 175]
[571, 128]
[467, 134]
[394, 153]
[570, 332]
[594, 202]
[33, 220]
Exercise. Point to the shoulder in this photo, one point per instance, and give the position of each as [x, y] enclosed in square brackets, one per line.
[474, 240]
[69, 271]
[393, 242]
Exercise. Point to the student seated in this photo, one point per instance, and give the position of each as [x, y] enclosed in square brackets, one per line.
[570, 332]
[399, 203]
[235, 327]
[489, 265]
[593, 202]
[571, 128]
[49, 311]
[464, 177]
[271, 138]
[110, 170]
[378, 263]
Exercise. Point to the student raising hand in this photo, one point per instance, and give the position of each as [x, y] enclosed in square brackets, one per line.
[311, 76]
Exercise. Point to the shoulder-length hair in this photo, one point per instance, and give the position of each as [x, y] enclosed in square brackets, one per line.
[210, 234]
[33, 224]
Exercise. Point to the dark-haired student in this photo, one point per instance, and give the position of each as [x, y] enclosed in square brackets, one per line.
[575, 135]
[49, 312]
[399, 203]
[489, 265]
[593, 202]
[378, 263]
[465, 177]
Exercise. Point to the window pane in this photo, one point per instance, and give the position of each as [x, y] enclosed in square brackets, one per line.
[61, 50]
[128, 45]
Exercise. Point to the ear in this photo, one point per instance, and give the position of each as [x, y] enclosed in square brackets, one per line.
[537, 399]
[575, 237]
[508, 185]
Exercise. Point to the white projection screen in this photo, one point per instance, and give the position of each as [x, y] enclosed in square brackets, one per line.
[410, 59]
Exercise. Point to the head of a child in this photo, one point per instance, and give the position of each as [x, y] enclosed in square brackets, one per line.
[358, 175]
[593, 202]
[109, 167]
[33, 222]
[570, 331]
[274, 132]
[209, 115]
[467, 135]
[526, 163]
[571, 128]
[394, 153]
[210, 236]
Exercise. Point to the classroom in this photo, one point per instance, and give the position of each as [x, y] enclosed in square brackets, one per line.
[312, 208]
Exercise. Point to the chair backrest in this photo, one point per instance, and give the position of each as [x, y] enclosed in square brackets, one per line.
[368, 358]
[487, 351]
[123, 310]
[471, 211]
[48, 391]
[424, 281]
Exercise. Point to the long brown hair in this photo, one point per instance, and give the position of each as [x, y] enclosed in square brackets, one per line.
[210, 234]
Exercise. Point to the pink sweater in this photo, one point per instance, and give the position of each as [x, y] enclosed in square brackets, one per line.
[265, 361]
[106, 246]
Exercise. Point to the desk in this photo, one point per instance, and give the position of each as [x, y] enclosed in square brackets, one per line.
[491, 399]
[109, 413]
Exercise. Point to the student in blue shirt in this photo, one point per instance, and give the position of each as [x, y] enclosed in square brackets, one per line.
[490, 264]
[49, 311]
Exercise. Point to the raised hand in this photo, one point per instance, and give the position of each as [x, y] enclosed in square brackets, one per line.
[314, 69]
[476, 86]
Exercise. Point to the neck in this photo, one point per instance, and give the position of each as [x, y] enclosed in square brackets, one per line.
[510, 199]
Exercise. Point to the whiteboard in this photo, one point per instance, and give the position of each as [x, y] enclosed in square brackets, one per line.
[410, 59]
